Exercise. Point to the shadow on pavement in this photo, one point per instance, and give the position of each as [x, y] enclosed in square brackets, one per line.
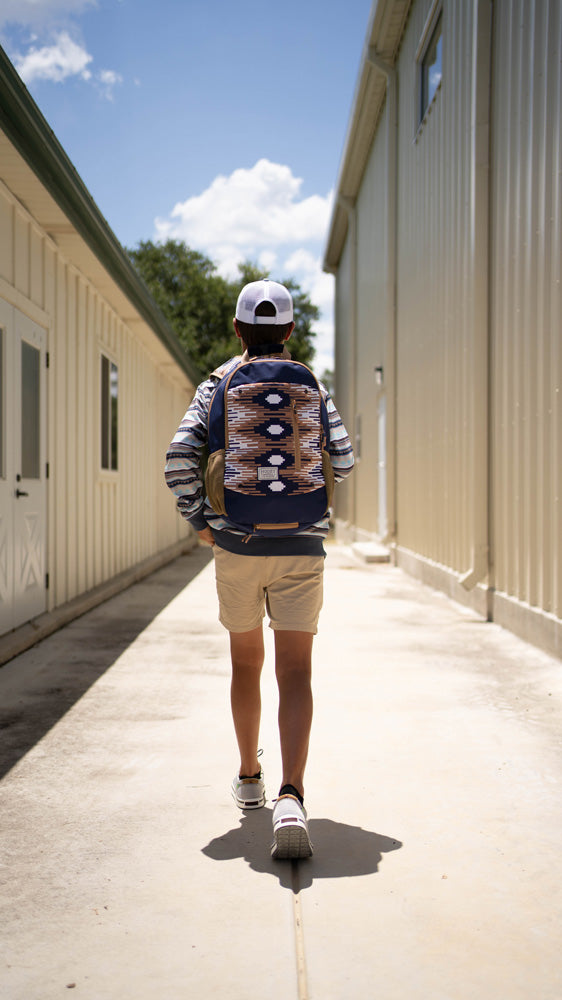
[38, 687]
[340, 850]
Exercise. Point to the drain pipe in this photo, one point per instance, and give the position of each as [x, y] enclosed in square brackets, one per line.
[479, 264]
[390, 373]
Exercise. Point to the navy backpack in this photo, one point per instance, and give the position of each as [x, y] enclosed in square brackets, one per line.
[269, 470]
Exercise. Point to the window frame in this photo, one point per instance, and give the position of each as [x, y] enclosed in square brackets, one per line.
[31, 393]
[434, 23]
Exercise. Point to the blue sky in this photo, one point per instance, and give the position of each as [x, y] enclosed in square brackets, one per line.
[218, 122]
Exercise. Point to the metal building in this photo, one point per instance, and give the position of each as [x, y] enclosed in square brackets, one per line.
[91, 383]
[445, 240]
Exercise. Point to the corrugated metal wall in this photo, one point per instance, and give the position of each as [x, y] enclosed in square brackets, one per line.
[479, 311]
[434, 288]
[526, 290]
[99, 523]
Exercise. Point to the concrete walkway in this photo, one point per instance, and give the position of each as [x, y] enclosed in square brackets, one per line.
[433, 793]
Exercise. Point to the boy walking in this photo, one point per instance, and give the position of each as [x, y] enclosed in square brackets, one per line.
[281, 574]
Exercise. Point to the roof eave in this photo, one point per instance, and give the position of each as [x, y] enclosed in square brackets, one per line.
[384, 32]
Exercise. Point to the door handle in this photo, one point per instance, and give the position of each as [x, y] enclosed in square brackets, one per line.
[21, 493]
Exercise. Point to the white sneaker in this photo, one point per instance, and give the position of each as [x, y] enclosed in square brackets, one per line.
[248, 793]
[291, 839]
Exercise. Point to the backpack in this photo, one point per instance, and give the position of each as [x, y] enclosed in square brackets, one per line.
[269, 470]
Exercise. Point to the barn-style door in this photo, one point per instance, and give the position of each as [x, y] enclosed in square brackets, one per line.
[23, 473]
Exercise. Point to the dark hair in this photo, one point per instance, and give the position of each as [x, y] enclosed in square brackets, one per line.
[263, 333]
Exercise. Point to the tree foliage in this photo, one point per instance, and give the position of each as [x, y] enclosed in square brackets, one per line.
[199, 304]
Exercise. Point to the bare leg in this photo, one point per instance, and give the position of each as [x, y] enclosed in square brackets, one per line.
[293, 667]
[247, 654]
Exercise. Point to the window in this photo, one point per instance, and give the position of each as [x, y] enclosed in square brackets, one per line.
[430, 62]
[30, 411]
[109, 414]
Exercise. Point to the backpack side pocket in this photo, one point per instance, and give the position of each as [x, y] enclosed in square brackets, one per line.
[329, 477]
[214, 481]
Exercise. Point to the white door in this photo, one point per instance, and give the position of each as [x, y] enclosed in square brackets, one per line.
[23, 488]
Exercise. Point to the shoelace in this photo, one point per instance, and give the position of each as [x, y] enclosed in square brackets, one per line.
[290, 790]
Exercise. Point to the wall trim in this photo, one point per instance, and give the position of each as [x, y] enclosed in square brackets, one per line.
[533, 625]
[443, 578]
[529, 623]
[27, 306]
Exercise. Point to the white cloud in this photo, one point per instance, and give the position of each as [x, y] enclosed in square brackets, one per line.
[107, 80]
[54, 62]
[257, 214]
[267, 260]
[251, 210]
[307, 268]
[62, 59]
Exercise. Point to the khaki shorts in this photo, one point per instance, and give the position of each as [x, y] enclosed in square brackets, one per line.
[290, 587]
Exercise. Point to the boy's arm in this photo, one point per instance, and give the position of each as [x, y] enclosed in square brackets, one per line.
[183, 460]
[341, 451]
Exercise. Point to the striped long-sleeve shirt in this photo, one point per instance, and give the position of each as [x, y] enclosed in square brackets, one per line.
[184, 476]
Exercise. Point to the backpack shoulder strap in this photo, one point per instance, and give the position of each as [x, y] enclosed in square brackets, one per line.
[227, 367]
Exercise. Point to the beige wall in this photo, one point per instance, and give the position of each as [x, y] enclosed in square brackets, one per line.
[478, 314]
[99, 523]
[526, 300]
[434, 340]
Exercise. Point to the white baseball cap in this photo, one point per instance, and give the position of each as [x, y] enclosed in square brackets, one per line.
[265, 291]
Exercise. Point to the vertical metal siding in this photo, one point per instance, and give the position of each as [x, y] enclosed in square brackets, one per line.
[479, 265]
[91, 428]
[553, 321]
[20, 244]
[434, 349]
[83, 554]
[73, 469]
[6, 243]
[99, 523]
[526, 271]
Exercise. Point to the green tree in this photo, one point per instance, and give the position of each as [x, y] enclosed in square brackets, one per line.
[196, 301]
[199, 304]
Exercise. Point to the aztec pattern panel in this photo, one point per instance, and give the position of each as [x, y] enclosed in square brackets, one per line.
[274, 439]
[29, 556]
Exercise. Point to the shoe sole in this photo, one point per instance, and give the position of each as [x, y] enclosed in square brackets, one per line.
[290, 843]
[248, 804]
